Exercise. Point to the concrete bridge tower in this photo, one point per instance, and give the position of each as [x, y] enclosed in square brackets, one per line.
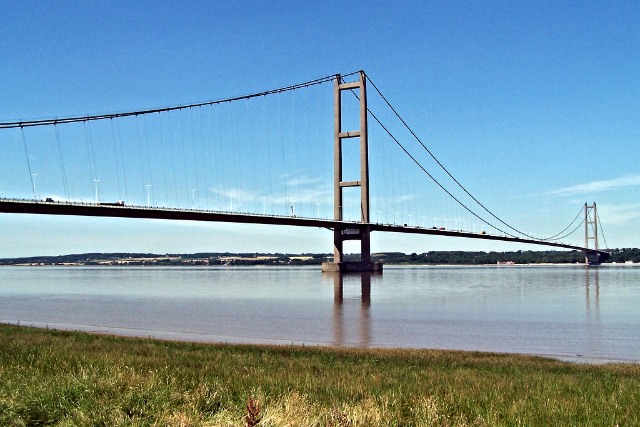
[591, 255]
[361, 230]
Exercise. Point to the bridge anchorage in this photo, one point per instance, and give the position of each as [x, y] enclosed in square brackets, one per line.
[362, 230]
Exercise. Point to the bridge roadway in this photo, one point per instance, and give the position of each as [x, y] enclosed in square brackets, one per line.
[116, 211]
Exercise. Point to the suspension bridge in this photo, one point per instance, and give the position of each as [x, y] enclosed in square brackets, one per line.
[269, 154]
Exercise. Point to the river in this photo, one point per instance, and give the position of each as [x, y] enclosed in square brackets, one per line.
[568, 312]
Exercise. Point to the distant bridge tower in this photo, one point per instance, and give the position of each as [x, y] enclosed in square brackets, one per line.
[591, 234]
[362, 230]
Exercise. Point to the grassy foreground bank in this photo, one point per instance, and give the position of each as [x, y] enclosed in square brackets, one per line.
[68, 378]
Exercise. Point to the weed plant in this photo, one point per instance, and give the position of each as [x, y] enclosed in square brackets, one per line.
[56, 378]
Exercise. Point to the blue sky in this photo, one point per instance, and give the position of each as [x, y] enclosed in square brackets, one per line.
[533, 106]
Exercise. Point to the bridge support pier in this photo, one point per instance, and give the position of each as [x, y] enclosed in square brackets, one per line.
[352, 267]
[356, 232]
[595, 258]
[359, 230]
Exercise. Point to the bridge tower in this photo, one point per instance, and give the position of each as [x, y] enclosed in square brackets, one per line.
[361, 230]
[591, 234]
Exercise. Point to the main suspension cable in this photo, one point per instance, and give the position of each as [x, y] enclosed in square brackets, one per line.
[44, 122]
[432, 178]
[555, 237]
[448, 173]
[602, 231]
[572, 231]
[426, 172]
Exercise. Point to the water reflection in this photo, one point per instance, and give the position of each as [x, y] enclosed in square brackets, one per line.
[363, 316]
[559, 310]
[594, 281]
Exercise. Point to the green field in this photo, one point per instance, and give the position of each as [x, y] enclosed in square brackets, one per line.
[75, 379]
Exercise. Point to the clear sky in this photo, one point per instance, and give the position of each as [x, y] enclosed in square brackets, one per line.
[533, 106]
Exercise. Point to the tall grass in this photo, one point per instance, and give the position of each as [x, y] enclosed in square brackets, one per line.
[75, 379]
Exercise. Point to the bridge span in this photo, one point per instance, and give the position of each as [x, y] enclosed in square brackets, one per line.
[144, 212]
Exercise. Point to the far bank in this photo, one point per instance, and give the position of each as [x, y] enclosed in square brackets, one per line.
[618, 256]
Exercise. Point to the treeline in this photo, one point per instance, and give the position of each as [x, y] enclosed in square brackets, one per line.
[73, 258]
[272, 259]
[517, 257]
[624, 255]
[203, 258]
[479, 258]
[247, 259]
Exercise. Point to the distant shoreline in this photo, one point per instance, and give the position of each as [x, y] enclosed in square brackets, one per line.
[626, 265]
[259, 265]
[627, 256]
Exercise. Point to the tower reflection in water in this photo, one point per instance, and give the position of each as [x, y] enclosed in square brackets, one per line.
[351, 322]
[593, 280]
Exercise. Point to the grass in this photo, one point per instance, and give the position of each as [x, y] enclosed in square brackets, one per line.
[59, 378]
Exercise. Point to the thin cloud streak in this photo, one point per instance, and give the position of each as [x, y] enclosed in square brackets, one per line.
[598, 186]
[619, 214]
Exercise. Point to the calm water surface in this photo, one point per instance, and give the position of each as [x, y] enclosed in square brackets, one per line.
[569, 312]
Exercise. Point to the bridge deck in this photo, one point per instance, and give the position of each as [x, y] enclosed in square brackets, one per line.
[96, 210]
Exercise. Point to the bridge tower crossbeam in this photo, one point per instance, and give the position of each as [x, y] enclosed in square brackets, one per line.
[362, 230]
